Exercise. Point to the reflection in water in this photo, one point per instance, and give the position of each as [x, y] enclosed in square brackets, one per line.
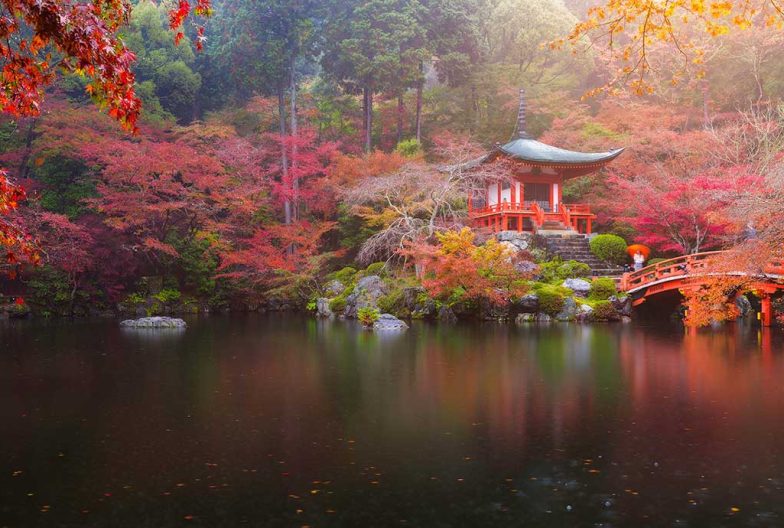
[291, 422]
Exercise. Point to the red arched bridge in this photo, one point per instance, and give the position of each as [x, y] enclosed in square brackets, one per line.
[691, 271]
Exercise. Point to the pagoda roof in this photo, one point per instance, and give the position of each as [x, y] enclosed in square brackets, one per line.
[535, 152]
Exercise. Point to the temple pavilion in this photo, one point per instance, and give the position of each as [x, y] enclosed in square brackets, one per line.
[532, 199]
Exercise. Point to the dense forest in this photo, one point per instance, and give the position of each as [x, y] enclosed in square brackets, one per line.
[286, 141]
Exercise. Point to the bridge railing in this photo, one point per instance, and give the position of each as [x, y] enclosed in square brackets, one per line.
[667, 269]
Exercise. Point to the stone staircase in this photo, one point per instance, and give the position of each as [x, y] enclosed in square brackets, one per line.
[554, 227]
[572, 246]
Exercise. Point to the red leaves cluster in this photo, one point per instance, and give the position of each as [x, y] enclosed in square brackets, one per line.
[17, 244]
[178, 14]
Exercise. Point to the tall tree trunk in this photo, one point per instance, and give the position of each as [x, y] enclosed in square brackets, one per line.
[284, 160]
[419, 96]
[24, 166]
[400, 112]
[705, 111]
[368, 103]
[294, 130]
[475, 107]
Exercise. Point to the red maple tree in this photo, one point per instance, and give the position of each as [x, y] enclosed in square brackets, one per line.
[84, 36]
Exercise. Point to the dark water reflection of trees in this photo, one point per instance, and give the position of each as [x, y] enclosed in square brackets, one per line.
[268, 421]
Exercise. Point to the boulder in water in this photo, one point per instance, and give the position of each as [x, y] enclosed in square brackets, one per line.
[323, 310]
[154, 322]
[387, 322]
[568, 312]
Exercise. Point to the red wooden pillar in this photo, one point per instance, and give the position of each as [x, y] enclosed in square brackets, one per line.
[505, 222]
[498, 188]
[766, 313]
[560, 192]
[588, 226]
[519, 223]
[513, 194]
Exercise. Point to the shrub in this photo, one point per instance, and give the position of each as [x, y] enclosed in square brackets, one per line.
[611, 248]
[135, 298]
[409, 148]
[655, 261]
[368, 315]
[551, 301]
[338, 304]
[377, 268]
[602, 289]
[605, 311]
[168, 295]
[345, 275]
[392, 303]
[556, 271]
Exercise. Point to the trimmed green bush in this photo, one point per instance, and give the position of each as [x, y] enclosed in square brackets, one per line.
[602, 289]
[551, 301]
[605, 311]
[611, 248]
[655, 261]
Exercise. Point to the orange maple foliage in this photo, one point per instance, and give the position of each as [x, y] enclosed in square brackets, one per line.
[727, 275]
[456, 269]
[634, 30]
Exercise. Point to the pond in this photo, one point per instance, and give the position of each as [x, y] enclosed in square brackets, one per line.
[286, 421]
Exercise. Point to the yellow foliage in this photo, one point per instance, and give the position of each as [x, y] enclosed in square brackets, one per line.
[651, 25]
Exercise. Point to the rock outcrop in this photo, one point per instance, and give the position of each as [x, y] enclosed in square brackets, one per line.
[568, 312]
[366, 293]
[622, 305]
[580, 287]
[323, 310]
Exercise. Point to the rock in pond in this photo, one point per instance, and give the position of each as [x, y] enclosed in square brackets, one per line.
[568, 312]
[154, 322]
[622, 304]
[524, 318]
[323, 310]
[528, 303]
[388, 322]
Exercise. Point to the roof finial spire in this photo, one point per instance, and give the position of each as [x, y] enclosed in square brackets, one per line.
[521, 132]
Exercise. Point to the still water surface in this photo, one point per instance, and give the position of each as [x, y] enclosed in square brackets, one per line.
[273, 421]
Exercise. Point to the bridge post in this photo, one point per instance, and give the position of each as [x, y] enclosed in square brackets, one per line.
[766, 313]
